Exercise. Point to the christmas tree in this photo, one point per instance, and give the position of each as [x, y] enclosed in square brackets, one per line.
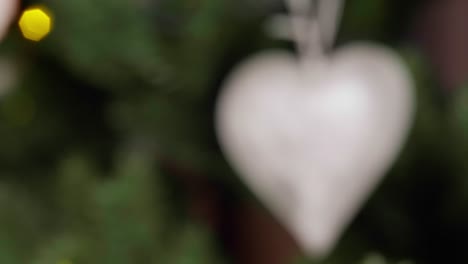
[109, 154]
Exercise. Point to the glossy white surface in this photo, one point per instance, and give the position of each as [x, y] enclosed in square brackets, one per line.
[313, 139]
[8, 9]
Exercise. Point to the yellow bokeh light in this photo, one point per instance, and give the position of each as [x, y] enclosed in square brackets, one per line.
[35, 23]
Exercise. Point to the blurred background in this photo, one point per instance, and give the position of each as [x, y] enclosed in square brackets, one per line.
[108, 152]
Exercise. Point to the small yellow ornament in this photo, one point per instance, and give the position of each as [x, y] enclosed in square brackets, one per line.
[35, 23]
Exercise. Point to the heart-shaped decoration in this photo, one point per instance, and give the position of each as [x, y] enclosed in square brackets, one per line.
[8, 10]
[313, 139]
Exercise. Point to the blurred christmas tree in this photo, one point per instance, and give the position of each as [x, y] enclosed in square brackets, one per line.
[108, 126]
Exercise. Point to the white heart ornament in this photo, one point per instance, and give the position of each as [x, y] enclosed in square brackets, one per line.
[313, 139]
[8, 9]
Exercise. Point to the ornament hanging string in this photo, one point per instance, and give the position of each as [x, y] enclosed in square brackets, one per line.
[314, 24]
